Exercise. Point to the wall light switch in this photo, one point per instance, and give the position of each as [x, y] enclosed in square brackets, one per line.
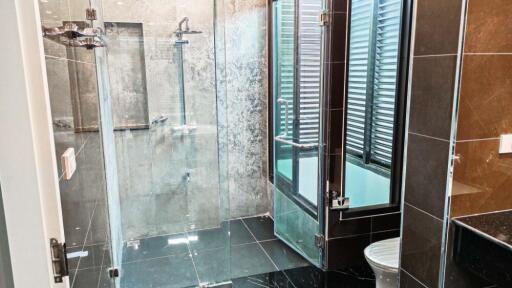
[506, 144]
[68, 163]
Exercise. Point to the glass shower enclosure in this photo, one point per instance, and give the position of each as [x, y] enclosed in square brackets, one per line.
[154, 98]
[164, 141]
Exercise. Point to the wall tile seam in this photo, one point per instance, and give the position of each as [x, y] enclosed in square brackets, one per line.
[423, 211]
[429, 137]
[435, 55]
[361, 234]
[477, 140]
[414, 278]
[371, 216]
[487, 53]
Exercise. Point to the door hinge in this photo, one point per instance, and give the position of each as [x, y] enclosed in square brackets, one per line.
[113, 272]
[91, 14]
[323, 18]
[337, 201]
[59, 260]
[320, 241]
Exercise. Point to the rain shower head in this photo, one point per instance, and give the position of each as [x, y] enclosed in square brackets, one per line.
[180, 31]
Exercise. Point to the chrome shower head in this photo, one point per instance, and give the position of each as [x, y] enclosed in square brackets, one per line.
[180, 31]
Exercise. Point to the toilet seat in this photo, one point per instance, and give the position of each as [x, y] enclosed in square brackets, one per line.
[384, 254]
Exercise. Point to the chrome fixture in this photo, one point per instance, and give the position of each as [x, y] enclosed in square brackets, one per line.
[180, 31]
[282, 137]
[70, 34]
[178, 43]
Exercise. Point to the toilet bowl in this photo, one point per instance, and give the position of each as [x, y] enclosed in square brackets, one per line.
[383, 258]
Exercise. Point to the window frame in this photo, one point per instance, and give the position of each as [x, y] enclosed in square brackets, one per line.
[396, 167]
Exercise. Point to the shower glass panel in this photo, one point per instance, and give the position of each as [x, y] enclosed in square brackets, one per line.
[297, 66]
[164, 80]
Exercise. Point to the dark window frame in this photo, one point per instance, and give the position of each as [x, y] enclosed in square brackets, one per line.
[396, 167]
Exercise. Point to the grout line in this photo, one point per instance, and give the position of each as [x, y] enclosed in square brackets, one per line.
[159, 257]
[192, 258]
[487, 53]
[102, 261]
[434, 55]
[483, 213]
[431, 137]
[414, 278]
[265, 251]
[259, 244]
[362, 234]
[268, 240]
[475, 140]
[370, 216]
[85, 240]
[424, 212]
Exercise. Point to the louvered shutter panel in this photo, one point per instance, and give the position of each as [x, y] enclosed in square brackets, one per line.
[386, 65]
[373, 75]
[287, 61]
[309, 54]
[360, 33]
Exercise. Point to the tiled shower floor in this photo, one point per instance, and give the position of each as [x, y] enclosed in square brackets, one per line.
[206, 256]
[194, 258]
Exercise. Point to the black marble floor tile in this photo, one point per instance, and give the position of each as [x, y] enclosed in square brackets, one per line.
[91, 278]
[282, 255]
[239, 233]
[155, 247]
[262, 227]
[268, 280]
[175, 271]
[249, 259]
[235, 233]
[213, 266]
[87, 257]
[306, 277]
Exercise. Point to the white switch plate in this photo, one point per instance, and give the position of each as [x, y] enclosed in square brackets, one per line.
[68, 163]
[506, 144]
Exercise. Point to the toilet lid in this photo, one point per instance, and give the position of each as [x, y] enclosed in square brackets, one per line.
[384, 253]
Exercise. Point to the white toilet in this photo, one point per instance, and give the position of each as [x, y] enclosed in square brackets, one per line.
[383, 258]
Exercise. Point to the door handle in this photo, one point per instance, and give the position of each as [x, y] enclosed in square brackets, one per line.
[282, 137]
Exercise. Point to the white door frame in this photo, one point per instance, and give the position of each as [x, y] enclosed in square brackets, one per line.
[28, 170]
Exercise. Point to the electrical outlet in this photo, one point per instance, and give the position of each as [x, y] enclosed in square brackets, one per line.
[68, 163]
[506, 144]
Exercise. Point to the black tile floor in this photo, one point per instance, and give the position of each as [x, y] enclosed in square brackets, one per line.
[243, 254]
[244, 247]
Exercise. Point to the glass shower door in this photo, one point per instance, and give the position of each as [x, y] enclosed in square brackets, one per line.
[297, 66]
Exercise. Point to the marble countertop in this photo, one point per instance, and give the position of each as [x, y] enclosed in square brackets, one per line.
[496, 226]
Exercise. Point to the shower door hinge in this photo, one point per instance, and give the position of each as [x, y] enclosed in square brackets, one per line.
[337, 201]
[90, 14]
[323, 18]
[59, 260]
[320, 241]
[113, 272]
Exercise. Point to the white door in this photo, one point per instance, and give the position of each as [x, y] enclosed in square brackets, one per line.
[28, 172]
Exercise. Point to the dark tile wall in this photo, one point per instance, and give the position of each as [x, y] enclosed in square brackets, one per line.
[482, 177]
[346, 238]
[432, 89]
